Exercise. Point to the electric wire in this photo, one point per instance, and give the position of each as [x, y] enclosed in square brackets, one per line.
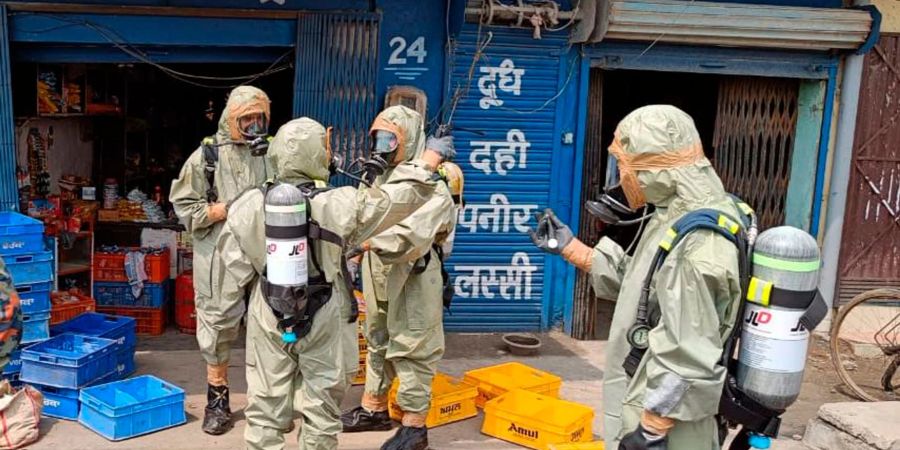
[122, 44]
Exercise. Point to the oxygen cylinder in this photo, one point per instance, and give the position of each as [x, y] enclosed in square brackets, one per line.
[286, 243]
[773, 343]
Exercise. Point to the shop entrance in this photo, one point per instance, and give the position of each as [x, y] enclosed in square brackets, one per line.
[746, 125]
[123, 129]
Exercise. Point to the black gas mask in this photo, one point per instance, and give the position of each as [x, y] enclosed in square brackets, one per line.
[255, 131]
[362, 170]
[612, 206]
[625, 225]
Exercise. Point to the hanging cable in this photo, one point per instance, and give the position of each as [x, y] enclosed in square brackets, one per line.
[123, 45]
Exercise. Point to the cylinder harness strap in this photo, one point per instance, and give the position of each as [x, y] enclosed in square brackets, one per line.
[708, 219]
[295, 307]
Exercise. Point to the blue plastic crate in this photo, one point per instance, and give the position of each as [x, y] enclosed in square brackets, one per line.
[129, 408]
[119, 294]
[68, 361]
[118, 328]
[35, 327]
[63, 403]
[35, 297]
[31, 268]
[15, 362]
[125, 365]
[20, 234]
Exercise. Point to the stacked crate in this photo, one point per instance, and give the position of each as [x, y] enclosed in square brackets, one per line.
[363, 349]
[114, 294]
[30, 264]
[89, 350]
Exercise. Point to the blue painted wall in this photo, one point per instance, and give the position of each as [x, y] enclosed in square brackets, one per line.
[412, 48]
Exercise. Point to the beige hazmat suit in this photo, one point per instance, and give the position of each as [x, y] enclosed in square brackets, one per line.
[696, 292]
[218, 321]
[320, 366]
[403, 291]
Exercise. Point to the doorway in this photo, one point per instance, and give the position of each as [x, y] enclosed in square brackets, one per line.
[746, 125]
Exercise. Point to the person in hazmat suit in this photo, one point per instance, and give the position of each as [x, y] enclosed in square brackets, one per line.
[215, 174]
[672, 400]
[319, 362]
[403, 281]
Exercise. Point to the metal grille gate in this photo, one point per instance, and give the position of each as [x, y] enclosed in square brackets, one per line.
[336, 73]
[9, 192]
[870, 245]
[584, 312]
[753, 139]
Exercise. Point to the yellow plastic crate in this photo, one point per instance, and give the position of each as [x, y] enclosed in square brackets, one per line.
[361, 375]
[596, 445]
[495, 381]
[452, 400]
[536, 421]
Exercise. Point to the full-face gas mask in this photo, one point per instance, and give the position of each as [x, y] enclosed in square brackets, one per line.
[612, 206]
[385, 145]
[254, 129]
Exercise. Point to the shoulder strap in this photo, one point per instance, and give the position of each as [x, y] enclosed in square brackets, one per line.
[210, 161]
[316, 232]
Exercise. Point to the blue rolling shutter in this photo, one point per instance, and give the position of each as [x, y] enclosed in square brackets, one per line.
[506, 134]
[336, 74]
[9, 192]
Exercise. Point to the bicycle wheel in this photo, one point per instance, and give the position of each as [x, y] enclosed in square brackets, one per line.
[865, 342]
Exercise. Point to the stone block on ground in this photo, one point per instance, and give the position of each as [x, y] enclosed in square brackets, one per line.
[855, 426]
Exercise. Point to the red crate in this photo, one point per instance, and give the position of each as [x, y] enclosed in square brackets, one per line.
[61, 312]
[111, 267]
[150, 321]
[185, 312]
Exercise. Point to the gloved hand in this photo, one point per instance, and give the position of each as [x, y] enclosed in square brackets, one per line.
[442, 146]
[438, 150]
[551, 234]
[641, 439]
[216, 212]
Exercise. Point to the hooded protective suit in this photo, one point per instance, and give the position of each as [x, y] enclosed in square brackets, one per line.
[236, 171]
[696, 293]
[403, 290]
[320, 366]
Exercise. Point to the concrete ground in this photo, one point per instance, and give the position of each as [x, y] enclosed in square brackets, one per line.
[174, 357]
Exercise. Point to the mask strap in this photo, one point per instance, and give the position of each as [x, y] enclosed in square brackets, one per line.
[328, 133]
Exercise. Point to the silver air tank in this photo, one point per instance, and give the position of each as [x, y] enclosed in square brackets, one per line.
[286, 243]
[773, 343]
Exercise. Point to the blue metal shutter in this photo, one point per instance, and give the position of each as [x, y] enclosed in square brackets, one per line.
[499, 275]
[9, 191]
[336, 74]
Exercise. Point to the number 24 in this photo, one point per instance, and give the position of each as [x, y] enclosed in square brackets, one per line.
[415, 50]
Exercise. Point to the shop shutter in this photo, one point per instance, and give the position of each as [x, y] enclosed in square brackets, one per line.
[337, 68]
[9, 192]
[505, 132]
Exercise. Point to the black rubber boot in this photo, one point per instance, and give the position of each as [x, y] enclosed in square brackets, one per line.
[217, 417]
[408, 438]
[359, 419]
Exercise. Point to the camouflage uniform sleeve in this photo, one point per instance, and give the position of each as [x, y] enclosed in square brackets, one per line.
[10, 316]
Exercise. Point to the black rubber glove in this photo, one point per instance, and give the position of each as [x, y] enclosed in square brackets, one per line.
[641, 439]
[551, 234]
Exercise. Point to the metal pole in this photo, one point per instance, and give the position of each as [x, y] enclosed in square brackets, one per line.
[840, 178]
